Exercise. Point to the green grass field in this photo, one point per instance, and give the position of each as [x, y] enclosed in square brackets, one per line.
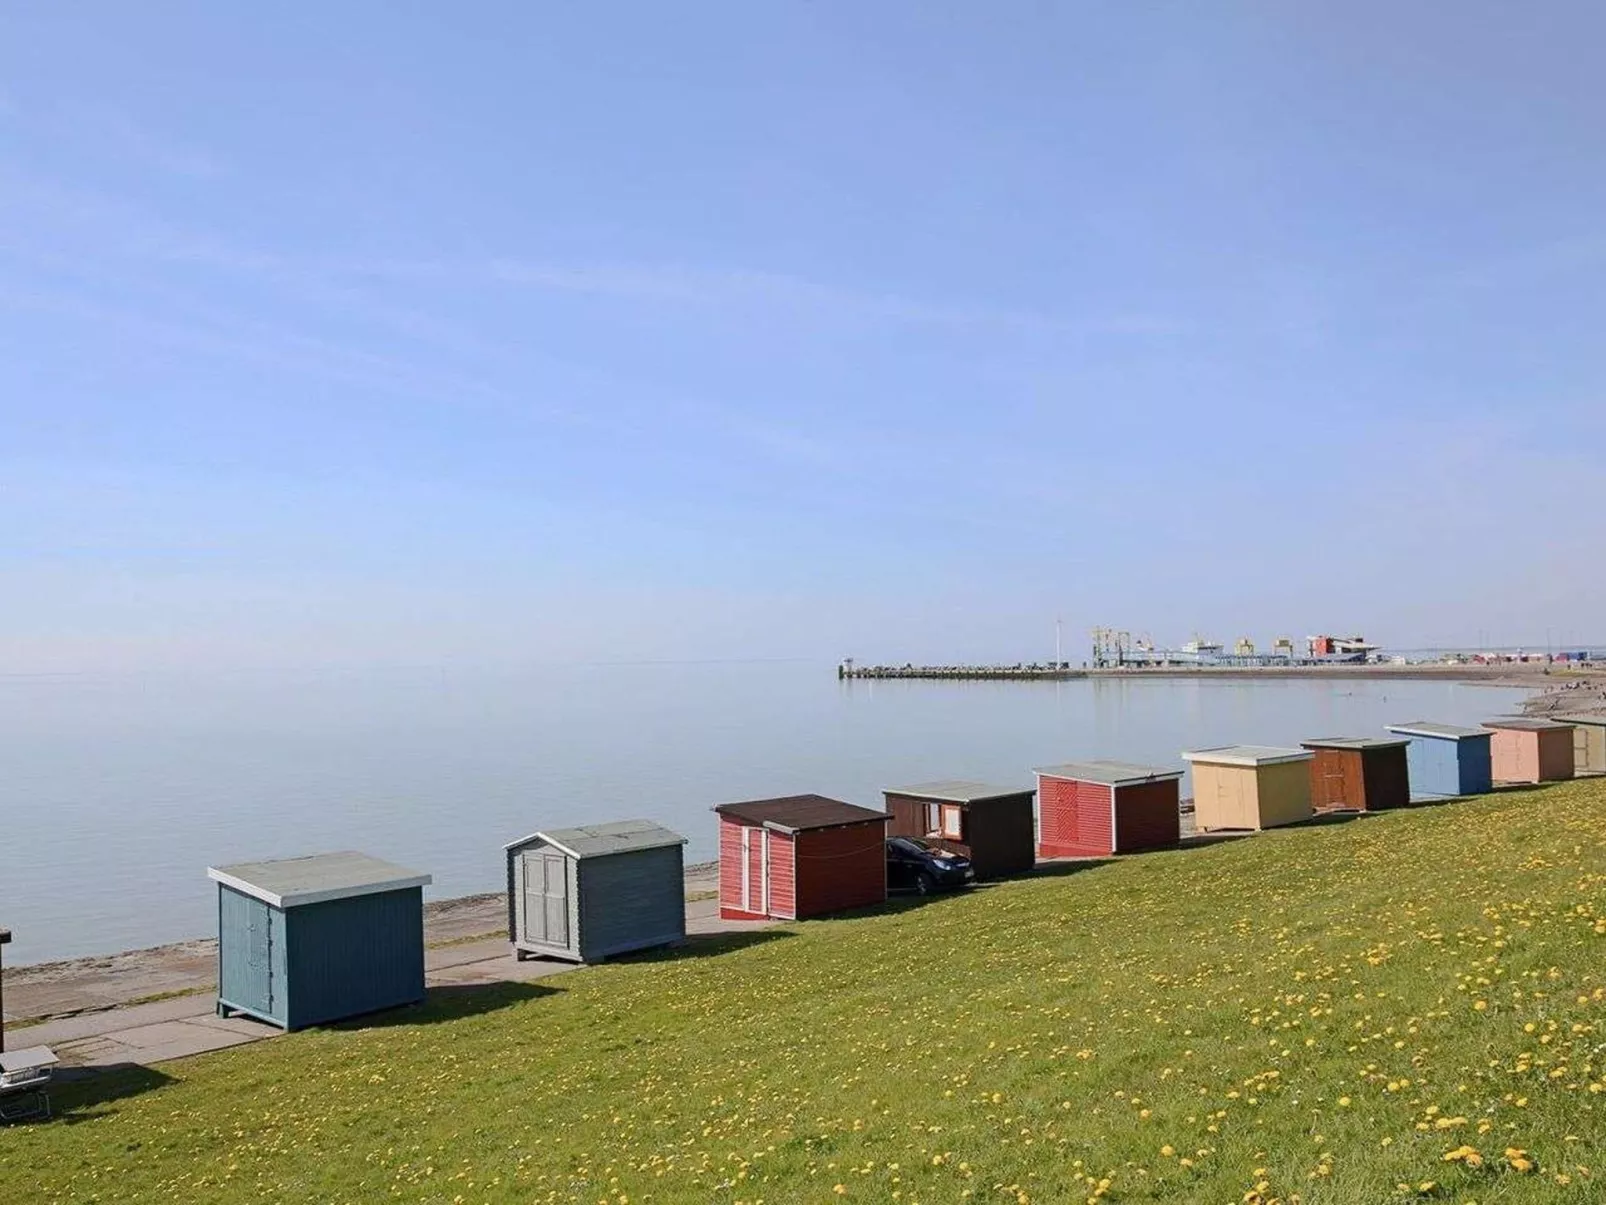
[1406, 1007]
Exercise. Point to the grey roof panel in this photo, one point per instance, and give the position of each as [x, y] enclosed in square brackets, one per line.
[1576, 717]
[1247, 755]
[1110, 773]
[1353, 742]
[1450, 732]
[598, 840]
[958, 790]
[1524, 723]
[294, 882]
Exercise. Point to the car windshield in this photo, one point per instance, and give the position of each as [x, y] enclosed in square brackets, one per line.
[911, 845]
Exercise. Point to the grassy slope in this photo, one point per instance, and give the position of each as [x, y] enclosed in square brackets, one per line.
[1316, 1014]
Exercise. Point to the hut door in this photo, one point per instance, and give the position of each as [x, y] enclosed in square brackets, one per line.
[259, 959]
[1336, 786]
[1581, 749]
[546, 899]
[755, 870]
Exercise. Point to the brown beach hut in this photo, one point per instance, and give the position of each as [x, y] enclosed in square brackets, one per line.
[1530, 749]
[990, 825]
[1358, 773]
[1589, 742]
[1094, 809]
[1249, 787]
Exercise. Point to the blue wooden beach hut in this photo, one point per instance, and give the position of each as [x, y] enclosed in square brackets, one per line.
[306, 941]
[1446, 761]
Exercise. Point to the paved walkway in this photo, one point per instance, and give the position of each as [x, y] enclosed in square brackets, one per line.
[143, 1034]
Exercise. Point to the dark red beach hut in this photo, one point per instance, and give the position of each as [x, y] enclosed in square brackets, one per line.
[990, 825]
[1097, 808]
[799, 856]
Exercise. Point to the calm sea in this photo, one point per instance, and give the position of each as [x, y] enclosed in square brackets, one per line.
[116, 793]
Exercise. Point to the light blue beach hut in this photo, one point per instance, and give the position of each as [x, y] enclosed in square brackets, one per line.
[1446, 761]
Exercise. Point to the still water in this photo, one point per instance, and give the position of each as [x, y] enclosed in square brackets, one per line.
[116, 793]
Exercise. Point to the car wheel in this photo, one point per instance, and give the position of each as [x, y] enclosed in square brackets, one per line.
[925, 884]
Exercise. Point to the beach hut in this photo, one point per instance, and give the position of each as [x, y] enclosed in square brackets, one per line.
[1093, 809]
[585, 894]
[799, 856]
[1358, 773]
[990, 825]
[304, 941]
[1589, 742]
[1530, 749]
[1446, 761]
[1249, 787]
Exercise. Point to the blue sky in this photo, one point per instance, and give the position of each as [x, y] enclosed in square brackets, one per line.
[405, 332]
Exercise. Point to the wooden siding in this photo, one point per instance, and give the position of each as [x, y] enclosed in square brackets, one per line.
[1475, 765]
[1225, 797]
[1444, 768]
[630, 901]
[908, 815]
[1589, 749]
[997, 835]
[783, 876]
[1387, 779]
[250, 956]
[1076, 819]
[1367, 780]
[1000, 835]
[1283, 791]
[1555, 755]
[348, 957]
[1250, 797]
[1147, 816]
[732, 904]
[1337, 780]
[1527, 756]
[840, 868]
[771, 870]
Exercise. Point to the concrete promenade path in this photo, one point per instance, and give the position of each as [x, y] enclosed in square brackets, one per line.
[144, 1034]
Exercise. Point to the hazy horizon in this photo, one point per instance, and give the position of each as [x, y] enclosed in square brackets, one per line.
[368, 336]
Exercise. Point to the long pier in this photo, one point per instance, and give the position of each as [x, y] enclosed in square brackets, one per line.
[1502, 675]
[976, 673]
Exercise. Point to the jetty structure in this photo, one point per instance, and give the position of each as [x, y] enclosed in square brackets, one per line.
[849, 669]
[1116, 650]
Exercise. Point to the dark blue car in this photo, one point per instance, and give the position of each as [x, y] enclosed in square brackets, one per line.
[916, 865]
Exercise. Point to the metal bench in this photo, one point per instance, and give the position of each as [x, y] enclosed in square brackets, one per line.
[24, 1077]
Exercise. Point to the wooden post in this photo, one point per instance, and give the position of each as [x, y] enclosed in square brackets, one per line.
[5, 938]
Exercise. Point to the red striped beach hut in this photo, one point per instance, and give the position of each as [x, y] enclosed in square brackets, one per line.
[799, 856]
[1093, 809]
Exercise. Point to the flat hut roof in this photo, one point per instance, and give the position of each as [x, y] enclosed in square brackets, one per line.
[1110, 773]
[295, 882]
[1448, 732]
[598, 840]
[1524, 723]
[799, 813]
[958, 790]
[1248, 755]
[1598, 720]
[1353, 742]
